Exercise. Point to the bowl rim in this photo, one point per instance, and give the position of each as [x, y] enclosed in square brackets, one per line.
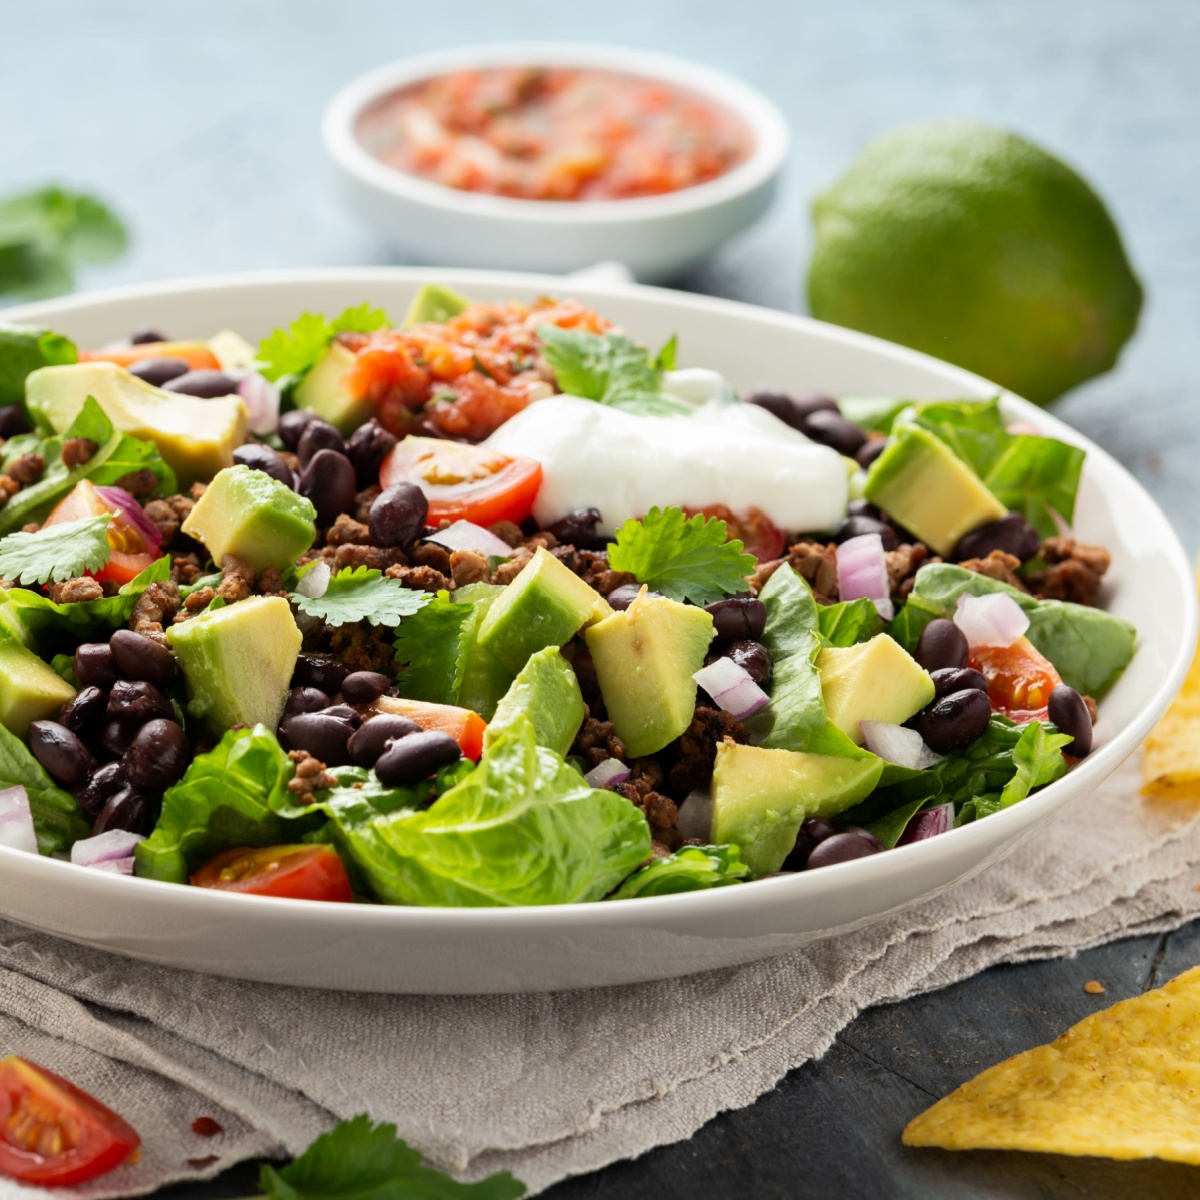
[652, 911]
[767, 125]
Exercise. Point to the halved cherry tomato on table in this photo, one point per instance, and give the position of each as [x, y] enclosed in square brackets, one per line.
[293, 872]
[467, 483]
[52, 1132]
[1020, 679]
[464, 725]
[197, 355]
[132, 547]
[758, 534]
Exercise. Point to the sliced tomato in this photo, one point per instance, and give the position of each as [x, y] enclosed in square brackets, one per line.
[197, 355]
[758, 534]
[1020, 679]
[462, 724]
[130, 549]
[293, 872]
[52, 1132]
[467, 483]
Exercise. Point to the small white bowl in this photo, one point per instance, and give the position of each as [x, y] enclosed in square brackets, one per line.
[655, 236]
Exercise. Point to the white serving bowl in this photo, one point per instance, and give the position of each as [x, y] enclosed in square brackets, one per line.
[365, 947]
[655, 236]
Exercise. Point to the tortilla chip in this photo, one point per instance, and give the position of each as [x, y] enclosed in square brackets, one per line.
[1123, 1083]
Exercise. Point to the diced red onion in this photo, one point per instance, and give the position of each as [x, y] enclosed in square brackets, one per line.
[895, 744]
[992, 620]
[607, 774]
[16, 820]
[695, 815]
[731, 688]
[862, 572]
[116, 866]
[463, 535]
[928, 824]
[261, 398]
[104, 847]
[135, 514]
[314, 583]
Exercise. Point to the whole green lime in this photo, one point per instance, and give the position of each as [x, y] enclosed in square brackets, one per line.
[973, 245]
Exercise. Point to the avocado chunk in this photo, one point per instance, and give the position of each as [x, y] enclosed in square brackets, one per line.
[232, 351]
[321, 391]
[238, 661]
[196, 437]
[761, 797]
[485, 678]
[872, 681]
[433, 304]
[546, 605]
[645, 658]
[547, 692]
[247, 513]
[30, 690]
[924, 486]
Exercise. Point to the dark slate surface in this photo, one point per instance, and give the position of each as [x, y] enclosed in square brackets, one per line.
[199, 122]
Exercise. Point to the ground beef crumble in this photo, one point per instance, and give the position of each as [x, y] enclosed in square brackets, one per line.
[237, 579]
[310, 777]
[596, 741]
[467, 567]
[9, 487]
[156, 608]
[421, 579]
[26, 468]
[346, 531]
[74, 591]
[697, 748]
[77, 451]
[1074, 571]
[375, 558]
[999, 566]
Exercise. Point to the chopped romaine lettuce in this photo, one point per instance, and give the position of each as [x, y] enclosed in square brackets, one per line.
[849, 622]
[25, 349]
[692, 869]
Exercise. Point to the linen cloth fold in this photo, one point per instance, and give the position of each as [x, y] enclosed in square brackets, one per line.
[549, 1086]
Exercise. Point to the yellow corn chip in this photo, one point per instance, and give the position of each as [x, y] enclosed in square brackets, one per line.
[1123, 1083]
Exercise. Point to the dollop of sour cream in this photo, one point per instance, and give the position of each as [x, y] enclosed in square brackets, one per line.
[739, 455]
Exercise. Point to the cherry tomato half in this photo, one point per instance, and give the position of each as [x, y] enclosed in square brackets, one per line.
[758, 534]
[197, 355]
[52, 1132]
[464, 725]
[130, 554]
[461, 482]
[293, 872]
[1020, 679]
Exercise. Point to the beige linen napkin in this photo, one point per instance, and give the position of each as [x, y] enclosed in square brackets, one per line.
[553, 1085]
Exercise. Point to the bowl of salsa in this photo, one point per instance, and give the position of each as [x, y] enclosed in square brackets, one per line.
[553, 157]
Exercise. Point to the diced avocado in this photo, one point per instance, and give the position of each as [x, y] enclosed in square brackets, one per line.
[547, 692]
[919, 481]
[232, 351]
[321, 391]
[485, 678]
[645, 658]
[434, 303]
[546, 605]
[247, 513]
[30, 690]
[761, 797]
[196, 437]
[238, 661]
[872, 681]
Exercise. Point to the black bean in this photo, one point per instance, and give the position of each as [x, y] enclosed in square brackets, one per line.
[114, 738]
[842, 847]
[792, 410]
[63, 755]
[95, 666]
[942, 644]
[262, 458]
[292, 424]
[368, 742]
[577, 528]
[1068, 711]
[328, 481]
[814, 830]
[100, 786]
[858, 526]
[159, 371]
[957, 679]
[157, 757]
[134, 702]
[1012, 534]
[364, 687]
[12, 421]
[870, 451]
[344, 712]
[205, 385]
[954, 721]
[318, 435]
[832, 429]
[753, 657]
[622, 597]
[145, 334]
[736, 619]
[84, 710]
[415, 757]
[127, 809]
[368, 446]
[398, 515]
[305, 700]
[325, 674]
[323, 736]
[143, 658]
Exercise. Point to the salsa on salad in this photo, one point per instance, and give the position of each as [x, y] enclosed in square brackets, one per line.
[495, 606]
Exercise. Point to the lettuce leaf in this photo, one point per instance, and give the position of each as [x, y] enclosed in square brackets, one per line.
[848, 622]
[57, 820]
[692, 869]
[25, 349]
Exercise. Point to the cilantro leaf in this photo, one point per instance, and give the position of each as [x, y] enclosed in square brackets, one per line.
[361, 594]
[369, 1162]
[296, 349]
[430, 645]
[23, 349]
[56, 553]
[684, 559]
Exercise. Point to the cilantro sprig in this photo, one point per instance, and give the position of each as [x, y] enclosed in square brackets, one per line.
[57, 552]
[681, 558]
[295, 350]
[362, 594]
